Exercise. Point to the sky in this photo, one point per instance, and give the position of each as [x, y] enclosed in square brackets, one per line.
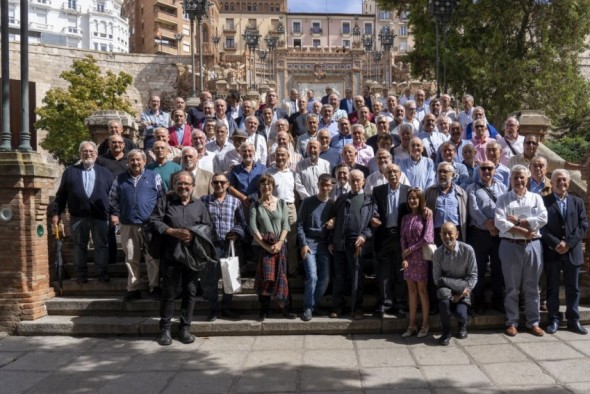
[331, 6]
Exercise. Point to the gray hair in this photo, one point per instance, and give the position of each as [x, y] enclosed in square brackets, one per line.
[406, 127]
[134, 152]
[560, 171]
[84, 143]
[512, 118]
[356, 172]
[446, 164]
[519, 168]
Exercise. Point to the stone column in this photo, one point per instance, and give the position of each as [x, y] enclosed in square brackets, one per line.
[98, 125]
[26, 182]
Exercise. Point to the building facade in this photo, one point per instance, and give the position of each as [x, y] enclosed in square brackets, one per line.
[83, 24]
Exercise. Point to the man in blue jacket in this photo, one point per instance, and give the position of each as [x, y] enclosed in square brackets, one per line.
[85, 189]
[133, 196]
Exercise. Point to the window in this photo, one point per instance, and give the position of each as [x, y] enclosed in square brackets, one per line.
[316, 43]
[297, 27]
[346, 43]
[316, 28]
[72, 4]
[403, 31]
[345, 27]
[226, 7]
[384, 15]
[368, 28]
[229, 42]
[403, 46]
[186, 48]
[405, 15]
[297, 42]
[96, 46]
[229, 24]
[100, 8]
[103, 47]
[186, 31]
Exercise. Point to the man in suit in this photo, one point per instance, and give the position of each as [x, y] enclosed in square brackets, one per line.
[562, 251]
[85, 190]
[190, 163]
[347, 103]
[180, 133]
[290, 104]
[389, 205]
[272, 101]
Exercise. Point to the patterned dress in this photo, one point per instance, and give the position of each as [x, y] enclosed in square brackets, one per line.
[413, 237]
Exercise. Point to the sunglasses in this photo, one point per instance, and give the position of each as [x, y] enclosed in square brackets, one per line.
[219, 182]
[486, 168]
[532, 143]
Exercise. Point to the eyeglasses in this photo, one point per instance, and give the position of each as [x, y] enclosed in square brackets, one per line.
[219, 182]
[480, 126]
[444, 171]
[486, 168]
[532, 143]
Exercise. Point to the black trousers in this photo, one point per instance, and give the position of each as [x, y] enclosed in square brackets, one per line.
[571, 273]
[390, 279]
[176, 274]
[486, 248]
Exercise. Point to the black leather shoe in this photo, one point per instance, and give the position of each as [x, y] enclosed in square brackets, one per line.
[212, 316]
[444, 340]
[230, 314]
[132, 295]
[379, 313]
[576, 327]
[185, 336]
[552, 327]
[165, 338]
[462, 333]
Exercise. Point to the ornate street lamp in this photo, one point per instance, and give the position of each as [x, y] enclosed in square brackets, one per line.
[387, 38]
[271, 44]
[441, 11]
[356, 30]
[252, 39]
[196, 9]
[377, 56]
[262, 57]
[367, 41]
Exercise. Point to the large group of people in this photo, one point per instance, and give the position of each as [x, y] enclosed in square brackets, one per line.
[333, 192]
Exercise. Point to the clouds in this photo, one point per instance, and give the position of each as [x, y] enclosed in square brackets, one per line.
[329, 6]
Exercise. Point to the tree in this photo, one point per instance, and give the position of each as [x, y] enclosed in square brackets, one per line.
[64, 111]
[509, 54]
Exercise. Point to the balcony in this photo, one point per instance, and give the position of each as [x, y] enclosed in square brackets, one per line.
[229, 29]
[167, 33]
[316, 30]
[40, 26]
[166, 48]
[41, 3]
[166, 18]
[168, 3]
[71, 7]
[72, 31]
[12, 21]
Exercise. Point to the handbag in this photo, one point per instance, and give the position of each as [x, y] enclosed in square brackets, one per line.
[428, 251]
[230, 271]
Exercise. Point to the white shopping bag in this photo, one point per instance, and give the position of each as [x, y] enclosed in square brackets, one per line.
[230, 272]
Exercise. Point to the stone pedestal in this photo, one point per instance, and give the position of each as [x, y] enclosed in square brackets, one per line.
[533, 122]
[25, 184]
[98, 125]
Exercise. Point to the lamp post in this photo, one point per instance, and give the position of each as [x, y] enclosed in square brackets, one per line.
[356, 31]
[368, 41]
[271, 44]
[377, 56]
[387, 37]
[178, 37]
[441, 11]
[262, 57]
[196, 9]
[252, 39]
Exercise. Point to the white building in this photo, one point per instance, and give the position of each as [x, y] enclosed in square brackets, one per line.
[83, 24]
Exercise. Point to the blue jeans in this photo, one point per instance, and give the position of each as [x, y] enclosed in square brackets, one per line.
[317, 274]
[81, 228]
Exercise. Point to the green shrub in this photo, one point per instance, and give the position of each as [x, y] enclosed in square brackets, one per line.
[572, 149]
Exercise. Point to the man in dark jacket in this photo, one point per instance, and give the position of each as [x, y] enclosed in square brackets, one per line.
[85, 189]
[353, 214]
[173, 218]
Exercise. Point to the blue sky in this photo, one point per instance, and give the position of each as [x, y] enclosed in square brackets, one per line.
[332, 6]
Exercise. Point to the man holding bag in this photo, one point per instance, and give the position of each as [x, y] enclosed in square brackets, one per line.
[228, 225]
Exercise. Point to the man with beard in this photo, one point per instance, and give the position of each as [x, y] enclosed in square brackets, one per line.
[511, 143]
[205, 159]
[483, 234]
[399, 114]
[84, 189]
[190, 163]
[133, 197]
[326, 121]
[519, 216]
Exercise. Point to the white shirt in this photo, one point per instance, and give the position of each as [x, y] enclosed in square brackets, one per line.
[284, 183]
[507, 153]
[302, 141]
[530, 207]
[307, 174]
[219, 162]
[465, 118]
[206, 161]
[377, 179]
[261, 154]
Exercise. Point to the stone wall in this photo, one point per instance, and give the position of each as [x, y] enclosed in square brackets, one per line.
[151, 73]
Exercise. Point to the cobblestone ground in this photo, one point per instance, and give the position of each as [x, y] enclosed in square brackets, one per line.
[485, 362]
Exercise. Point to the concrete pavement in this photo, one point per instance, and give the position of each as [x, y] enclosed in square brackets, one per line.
[485, 362]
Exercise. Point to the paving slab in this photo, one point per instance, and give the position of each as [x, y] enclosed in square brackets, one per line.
[579, 388]
[226, 343]
[568, 371]
[455, 376]
[581, 346]
[46, 343]
[268, 358]
[399, 391]
[501, 353]
[344, 359]
[549, 389]
[565, 335]
[393, 378]
[278, 342]
[260, 380]
[392, 357]
[524, 336]
[378, 341]
[114, 362]
[9, 357]
[73, 382]
[439, 355]
[202, 382]
[41, 361]
[517, 374]
[124, 345]
[139, 382]
[316, 342]
[484, 338]
[330, 379]
[16, 382]
[549, 350]
[223, 360]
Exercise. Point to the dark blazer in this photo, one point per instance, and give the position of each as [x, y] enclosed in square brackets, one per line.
[380, 203]
[344, 105]
[281, 113]
[71, 193]
[572, 229]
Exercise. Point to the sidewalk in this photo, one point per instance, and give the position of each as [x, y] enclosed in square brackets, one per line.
[485, 362]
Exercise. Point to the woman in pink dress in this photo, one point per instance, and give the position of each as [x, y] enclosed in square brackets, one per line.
[416, 231]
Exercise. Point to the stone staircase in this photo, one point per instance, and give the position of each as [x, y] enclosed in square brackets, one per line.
[96, 308]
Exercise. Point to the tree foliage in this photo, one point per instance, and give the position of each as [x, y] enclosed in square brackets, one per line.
[573, 149]
[509, 54]
[64, 111]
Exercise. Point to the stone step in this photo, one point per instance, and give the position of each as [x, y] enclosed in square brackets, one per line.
[248, 325]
